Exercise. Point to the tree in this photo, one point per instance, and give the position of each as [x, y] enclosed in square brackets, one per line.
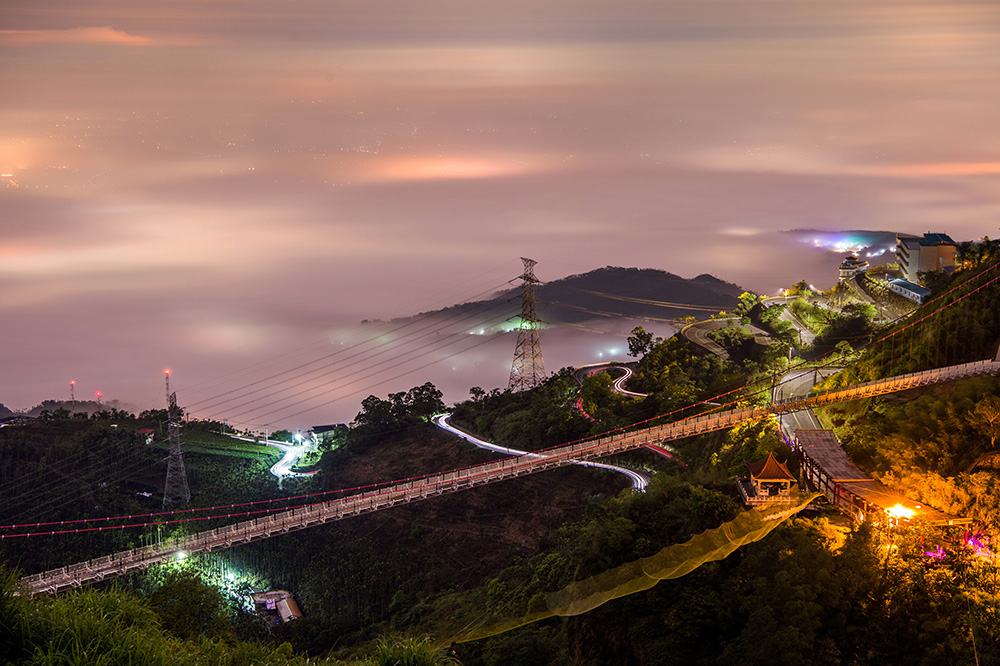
[640, 342]
[424, 401]
[478, 394]
[770, 314]
[936, 281]
[419, 403]
[188, 606]
[747, 302]
[866, 310]
[987, 417]
[967, 254]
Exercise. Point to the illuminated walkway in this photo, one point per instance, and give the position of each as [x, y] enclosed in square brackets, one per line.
[412, 490]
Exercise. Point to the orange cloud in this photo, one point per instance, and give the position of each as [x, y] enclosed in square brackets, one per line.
[83, 35]
[450, 168]
[943, 169]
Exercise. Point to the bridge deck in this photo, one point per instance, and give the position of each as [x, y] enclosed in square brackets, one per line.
[411, 490]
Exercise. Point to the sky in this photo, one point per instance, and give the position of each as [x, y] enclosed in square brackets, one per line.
[226, 188]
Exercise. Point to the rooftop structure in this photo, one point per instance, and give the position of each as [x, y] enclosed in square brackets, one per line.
[931, 253]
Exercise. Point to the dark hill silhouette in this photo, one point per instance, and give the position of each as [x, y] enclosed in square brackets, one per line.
[605, 292]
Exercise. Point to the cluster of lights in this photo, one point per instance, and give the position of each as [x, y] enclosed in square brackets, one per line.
[853, 244]
[976, 543]
[900, 511]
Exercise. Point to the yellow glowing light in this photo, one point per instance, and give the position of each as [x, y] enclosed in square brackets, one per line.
[900, 511]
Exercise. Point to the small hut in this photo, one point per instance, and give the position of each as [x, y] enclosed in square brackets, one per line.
[276, 606]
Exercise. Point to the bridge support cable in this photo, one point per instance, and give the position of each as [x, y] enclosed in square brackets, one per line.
[75, 575]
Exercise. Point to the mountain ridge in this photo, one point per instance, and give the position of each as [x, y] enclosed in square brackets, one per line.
[601, 293]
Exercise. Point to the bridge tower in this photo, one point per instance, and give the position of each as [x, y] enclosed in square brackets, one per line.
[175, 488]
[528, 370]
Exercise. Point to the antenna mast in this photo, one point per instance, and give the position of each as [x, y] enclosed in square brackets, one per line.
[528, 370]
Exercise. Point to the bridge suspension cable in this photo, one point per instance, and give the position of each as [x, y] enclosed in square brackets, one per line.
[446, 482]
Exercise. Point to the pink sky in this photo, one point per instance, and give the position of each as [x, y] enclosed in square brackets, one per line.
[207, 185]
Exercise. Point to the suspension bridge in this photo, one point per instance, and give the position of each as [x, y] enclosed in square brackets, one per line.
[412, 490]
[920, 342]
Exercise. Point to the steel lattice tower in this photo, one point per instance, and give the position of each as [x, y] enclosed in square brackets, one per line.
[528, 370]
[175, 488]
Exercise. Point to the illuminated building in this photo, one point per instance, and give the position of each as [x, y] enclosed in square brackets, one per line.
[851, 266]
[909, 290]
[931, 253]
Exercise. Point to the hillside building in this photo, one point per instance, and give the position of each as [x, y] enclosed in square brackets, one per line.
[931, 253]
[276, 606]
[851, 266]
[909, 290]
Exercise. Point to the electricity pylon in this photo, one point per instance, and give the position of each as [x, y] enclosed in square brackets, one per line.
[528, 370]
[175, 488]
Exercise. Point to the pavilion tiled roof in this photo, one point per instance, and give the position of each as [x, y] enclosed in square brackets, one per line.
[769, 469]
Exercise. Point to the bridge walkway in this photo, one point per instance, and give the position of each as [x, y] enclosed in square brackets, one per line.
[75, 575]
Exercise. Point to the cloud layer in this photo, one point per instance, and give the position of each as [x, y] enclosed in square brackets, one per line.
[205, 184]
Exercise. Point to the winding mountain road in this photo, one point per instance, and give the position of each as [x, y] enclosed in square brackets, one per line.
[290, 455]
[619, 387]
[639, 481]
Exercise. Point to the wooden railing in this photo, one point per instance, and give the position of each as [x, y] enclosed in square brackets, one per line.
[410, 490]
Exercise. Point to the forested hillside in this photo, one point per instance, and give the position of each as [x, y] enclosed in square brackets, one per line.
[816, 590]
